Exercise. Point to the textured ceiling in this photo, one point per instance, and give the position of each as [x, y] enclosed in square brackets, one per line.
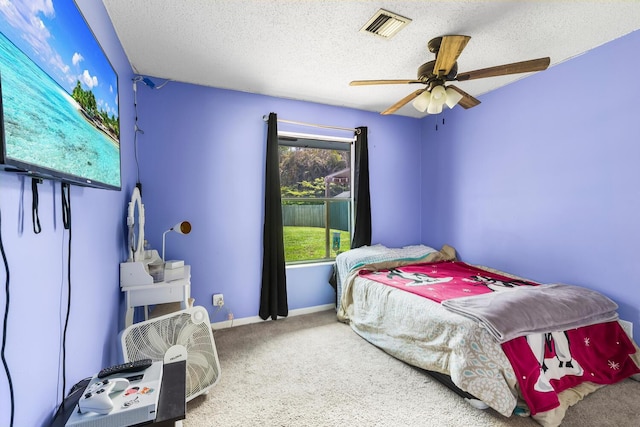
[311, 50]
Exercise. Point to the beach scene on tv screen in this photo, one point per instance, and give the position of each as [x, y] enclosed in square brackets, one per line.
[59, 92]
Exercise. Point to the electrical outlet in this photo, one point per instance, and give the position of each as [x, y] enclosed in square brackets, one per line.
[218, 300]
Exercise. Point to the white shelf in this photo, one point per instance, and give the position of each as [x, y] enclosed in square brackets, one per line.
[149, 293]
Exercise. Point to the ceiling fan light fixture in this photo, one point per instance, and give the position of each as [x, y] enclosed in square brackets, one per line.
[438, 95]
[453, 97]
[421, 103]
[434, 108]
[438, 98]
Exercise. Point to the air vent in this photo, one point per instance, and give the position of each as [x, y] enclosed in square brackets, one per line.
[385, 24]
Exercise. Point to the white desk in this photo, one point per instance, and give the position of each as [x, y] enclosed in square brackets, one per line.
[157, 293]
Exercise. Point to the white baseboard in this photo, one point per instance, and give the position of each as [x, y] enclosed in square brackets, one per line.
[257, 319]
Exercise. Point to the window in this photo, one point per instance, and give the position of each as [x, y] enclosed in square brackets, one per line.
[315, 184]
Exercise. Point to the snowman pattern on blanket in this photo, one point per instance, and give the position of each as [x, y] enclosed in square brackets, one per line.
[417, 279]
[551, 349]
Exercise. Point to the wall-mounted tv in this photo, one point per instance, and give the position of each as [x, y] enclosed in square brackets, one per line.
[59, 103]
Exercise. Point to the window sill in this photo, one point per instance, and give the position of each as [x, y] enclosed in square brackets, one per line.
[309, 264]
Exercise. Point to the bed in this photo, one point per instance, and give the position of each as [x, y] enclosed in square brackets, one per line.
[387, 309]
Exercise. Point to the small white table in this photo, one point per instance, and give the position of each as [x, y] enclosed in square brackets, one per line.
[157, 293]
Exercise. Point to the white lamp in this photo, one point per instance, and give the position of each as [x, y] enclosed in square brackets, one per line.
[183, 227]
[438, 97]
[434, 108]
[432, 102]
[453, 97]
[422, 101]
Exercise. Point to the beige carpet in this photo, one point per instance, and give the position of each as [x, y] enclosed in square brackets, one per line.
[314, 371]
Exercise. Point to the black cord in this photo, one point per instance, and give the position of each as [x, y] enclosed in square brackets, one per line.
[35, 218]
[150, 84]
[66, 206]
[4, 327]
[66, 219]
[136, 130]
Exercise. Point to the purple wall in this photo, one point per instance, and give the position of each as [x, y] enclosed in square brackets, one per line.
[202, 159]
[541, 178]
[38, 270]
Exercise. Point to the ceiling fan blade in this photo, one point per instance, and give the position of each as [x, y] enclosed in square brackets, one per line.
[450, 48]
[382, 82]
[467, 100]
[502, 70]
[395, 107]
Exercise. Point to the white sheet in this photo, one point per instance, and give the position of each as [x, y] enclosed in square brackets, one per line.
[424, 334]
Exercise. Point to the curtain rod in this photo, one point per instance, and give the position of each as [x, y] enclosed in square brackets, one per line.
[266, 118]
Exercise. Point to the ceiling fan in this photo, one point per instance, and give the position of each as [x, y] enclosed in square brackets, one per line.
[434, 74]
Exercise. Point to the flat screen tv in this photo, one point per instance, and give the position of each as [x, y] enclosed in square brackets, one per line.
[59, 103]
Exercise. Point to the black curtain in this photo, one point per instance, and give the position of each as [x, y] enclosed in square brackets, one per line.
[273, 296]
[362, 198]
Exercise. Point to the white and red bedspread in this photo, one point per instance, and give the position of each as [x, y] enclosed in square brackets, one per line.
[443, 280]
[545, 363]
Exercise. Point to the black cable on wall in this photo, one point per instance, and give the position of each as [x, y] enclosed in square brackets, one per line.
[66, 220]
[35, 217]
[4, 326]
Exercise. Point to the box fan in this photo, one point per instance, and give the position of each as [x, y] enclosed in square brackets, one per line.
[182, 335]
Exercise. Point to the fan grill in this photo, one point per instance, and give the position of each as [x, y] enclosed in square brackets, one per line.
[152, 338]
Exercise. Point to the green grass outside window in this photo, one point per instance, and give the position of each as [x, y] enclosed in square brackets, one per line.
[308, 243]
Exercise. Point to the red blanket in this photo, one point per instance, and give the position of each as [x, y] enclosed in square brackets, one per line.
[443, 280]
[545, 364]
